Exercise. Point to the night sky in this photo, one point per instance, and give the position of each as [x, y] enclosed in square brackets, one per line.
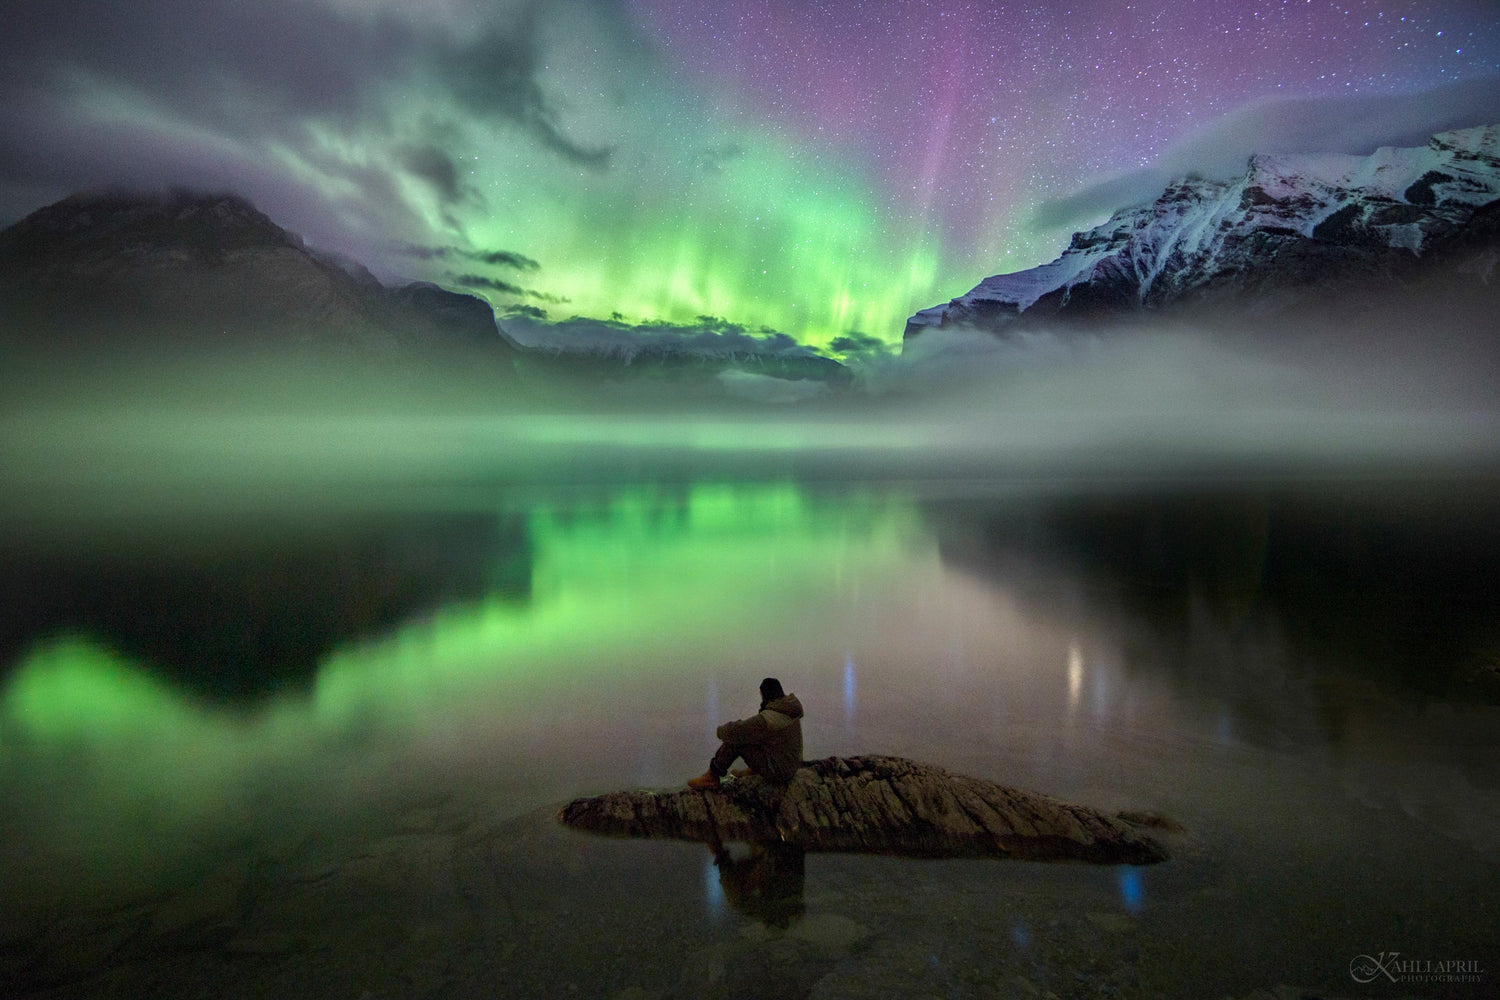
[813, 168]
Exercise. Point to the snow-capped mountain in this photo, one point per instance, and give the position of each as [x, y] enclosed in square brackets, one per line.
[1293, 224]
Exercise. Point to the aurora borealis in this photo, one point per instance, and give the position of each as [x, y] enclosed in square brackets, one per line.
[819, 170]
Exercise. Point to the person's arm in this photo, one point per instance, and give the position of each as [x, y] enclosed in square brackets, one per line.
[751, 730]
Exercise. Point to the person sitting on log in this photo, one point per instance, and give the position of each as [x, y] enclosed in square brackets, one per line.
[770, 741]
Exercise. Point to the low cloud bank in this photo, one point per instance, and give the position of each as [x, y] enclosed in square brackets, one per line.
[1163, 397]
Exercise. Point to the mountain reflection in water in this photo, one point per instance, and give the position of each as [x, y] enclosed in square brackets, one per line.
[1304, 676]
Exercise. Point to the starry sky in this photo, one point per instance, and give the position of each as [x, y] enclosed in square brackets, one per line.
[817, 169]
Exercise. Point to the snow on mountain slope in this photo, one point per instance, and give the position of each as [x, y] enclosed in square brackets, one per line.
[1291, 221]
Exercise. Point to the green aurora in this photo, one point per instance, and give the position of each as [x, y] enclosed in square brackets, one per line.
[765, 241]
[634, 194]
[761, 242]
[814, 170]
[662, 204]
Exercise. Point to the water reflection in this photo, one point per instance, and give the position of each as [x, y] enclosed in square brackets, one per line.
[643, 571]
[1284, 671]
[1075, 675]
[766, 883]
[1132, 890]
[242, 609]
[1392, 581]
[633, 601]
[849, 689]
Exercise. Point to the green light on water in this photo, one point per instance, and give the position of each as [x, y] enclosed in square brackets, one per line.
[645, 571]
[643, 580]
[74, 688]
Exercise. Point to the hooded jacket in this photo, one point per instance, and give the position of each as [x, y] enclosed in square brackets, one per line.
[777, 728]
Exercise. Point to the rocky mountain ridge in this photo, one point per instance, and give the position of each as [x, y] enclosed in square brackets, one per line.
[1291, 227]
[668, 362]
[191, 269]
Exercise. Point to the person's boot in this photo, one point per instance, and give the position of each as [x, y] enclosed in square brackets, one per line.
[706, 780]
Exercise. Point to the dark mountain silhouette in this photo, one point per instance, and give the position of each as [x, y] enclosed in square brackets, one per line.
[188, 269]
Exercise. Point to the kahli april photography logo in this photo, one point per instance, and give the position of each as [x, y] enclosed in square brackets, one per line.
[1389, 965]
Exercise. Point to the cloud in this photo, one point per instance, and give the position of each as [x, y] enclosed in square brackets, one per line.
[305, 106]
[770, 389]
[438, 169]
[421, 252]
[497, 258]
[496, 76]
[488, 284]
[1313, 125]
[1100, 199]
[214, 62]
[504, 258]
[48, 150]
[855, 342]
[534, 312]
[712, 159]
[483, 282]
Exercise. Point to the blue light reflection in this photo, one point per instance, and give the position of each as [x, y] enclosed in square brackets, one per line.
[1020, 934]
[713, 890]
[849, 687]
[1132, 890]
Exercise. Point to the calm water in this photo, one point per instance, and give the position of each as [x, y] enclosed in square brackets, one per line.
[316, 750]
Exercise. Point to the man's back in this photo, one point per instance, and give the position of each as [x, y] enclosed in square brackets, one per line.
[770, 741]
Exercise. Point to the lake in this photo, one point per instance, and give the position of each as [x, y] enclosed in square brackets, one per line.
[307, 736]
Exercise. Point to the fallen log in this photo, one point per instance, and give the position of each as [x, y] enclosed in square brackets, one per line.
[880, 805]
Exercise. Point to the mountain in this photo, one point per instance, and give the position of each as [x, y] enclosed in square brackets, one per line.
[713, 355]
[1291, 231]
[665, 361]
[194, 270]
[188, 272]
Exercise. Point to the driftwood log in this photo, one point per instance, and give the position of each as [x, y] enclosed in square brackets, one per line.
[882, 805]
